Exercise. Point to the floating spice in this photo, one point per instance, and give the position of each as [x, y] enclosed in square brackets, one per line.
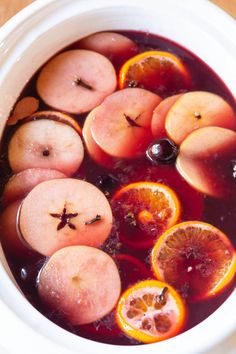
[79, 82]
[92, 221]
[132, 122]
[65, 219]
[130, 218]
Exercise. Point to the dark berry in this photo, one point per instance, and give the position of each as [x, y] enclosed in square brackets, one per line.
[106, 182]
[163, 151]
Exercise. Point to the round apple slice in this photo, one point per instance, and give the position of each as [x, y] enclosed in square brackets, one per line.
[10, 239]
[121, 125]
[45, 143]
[64, 212]
[207, 161]
[83, 282]
[76, 81]
[114, 46]
[159, 116]
[194, 110]
[22, 183]
[94, 150]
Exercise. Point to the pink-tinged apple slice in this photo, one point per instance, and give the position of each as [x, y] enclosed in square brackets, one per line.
[76, 81]
[159, 115]
[122, 124]
[94, 150]
[207, 161]
[83, 282]
[64, 212]
[114, 46]
[22, 183]
[194, 110]
[46, 143]
[11, 241]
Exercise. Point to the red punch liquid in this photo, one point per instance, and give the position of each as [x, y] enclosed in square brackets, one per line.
[134, 264]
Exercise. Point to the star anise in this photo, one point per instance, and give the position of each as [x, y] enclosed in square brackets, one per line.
[132, 122]
[65, 219]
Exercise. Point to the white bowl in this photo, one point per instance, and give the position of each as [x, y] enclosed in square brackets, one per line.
[27, 41]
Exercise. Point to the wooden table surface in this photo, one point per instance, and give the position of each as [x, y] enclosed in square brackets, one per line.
[9, 7]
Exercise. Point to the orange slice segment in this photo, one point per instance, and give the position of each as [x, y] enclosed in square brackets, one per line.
[58, 117]
[144, 211]
[196, 258]
[157, 71]
[151, 311]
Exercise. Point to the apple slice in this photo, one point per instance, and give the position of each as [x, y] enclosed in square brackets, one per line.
[94, 150]
[121, 125]
[10, 239]
[45, 143]
[76, 81]
[159, 116]
[20, 184]
[194, 110]
[207, 161]
[83, 282]
[64, 212]
[114, 46]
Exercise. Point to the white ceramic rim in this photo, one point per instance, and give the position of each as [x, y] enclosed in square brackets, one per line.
[37, 329]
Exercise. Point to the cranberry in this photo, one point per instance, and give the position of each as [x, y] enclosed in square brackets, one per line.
[162, 151]
[106, 182]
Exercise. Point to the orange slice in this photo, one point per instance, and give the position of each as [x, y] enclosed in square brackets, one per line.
[156, 71]
[151, 311]
[196, 258]
[145, 210]
[58, 117]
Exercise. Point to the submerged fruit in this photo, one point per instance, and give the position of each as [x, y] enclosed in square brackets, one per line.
[10, 239]
[151, 311]
[23, 108]
[196, 258]
[83, 282]
[20, 184]
[156, 71]
[206, 161]
[114, 46]
[57, 117]
[144, 211]
[137, 270]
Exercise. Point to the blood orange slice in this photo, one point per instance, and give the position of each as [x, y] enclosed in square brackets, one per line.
[132, 270]
[151, 311]
[196, 258]
[156, 71]
[145, 210]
